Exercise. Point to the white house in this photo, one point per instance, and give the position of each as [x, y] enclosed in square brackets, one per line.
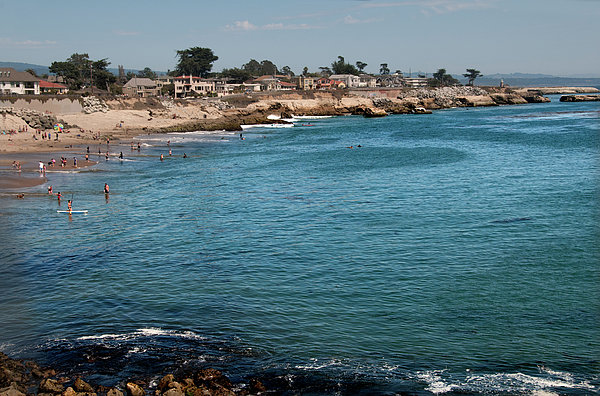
[350, 80]
[14, 82]
[187, 85]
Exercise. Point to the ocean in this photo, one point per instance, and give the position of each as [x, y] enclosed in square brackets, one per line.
[451, 253]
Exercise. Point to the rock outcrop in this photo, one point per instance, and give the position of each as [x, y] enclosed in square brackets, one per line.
[580, 98]
[34, 119]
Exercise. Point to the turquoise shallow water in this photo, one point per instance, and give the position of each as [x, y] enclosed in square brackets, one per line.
[452, 253]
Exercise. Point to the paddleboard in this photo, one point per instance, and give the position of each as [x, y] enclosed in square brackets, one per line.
[73, 211]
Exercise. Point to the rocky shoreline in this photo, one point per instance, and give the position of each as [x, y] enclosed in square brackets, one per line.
[580, 98]
[21, 378]
[123, 118]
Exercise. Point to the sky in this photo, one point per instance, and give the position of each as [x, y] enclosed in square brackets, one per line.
[556, 37]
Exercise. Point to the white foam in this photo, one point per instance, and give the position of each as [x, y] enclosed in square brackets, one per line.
[435, 383]
[145, 332]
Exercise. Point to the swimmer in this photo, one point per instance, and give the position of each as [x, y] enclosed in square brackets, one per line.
[162, 157]
[49, 190]
[184, 155]
[69, 208]
[106, 188]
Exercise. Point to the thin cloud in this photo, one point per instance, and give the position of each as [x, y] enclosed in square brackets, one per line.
[124, 33]
[350, 20]
[248, 26]
[436, 6]
[8, 42]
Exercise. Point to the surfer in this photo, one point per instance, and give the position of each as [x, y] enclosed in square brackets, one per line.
[69, 208]
[121, 155]
[106, 188]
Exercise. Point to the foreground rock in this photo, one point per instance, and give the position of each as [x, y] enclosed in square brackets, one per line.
[20, 378]
[580, 98]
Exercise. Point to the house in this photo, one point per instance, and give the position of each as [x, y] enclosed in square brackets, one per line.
[415, 82]
[349, 80]
[190, 85]
[14, 82]
[162, 81]
[287, 86]
[327, 83]
[47, 87]
[141, 87]
[306, 83]
[367, 81]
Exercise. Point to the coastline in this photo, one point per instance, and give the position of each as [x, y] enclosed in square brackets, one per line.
[122, 119]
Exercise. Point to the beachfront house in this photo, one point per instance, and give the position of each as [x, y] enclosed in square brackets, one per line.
[349, 80]
[306, 83]
[367, 81]
[140, 87]
[14, 82]
[190, 85]
[47, 87]
[415, 82]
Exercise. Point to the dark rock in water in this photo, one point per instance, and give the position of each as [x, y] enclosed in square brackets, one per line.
[372, 113]
[212, 377]
[580, 98]
[49, 385]
[135, 390]
[256, 386]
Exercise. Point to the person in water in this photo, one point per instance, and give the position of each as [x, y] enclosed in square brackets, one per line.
[59, 196]
[121, 155]
[69, 208]
[49, 190]
[106, 188]
[184, 155]
[162, 157]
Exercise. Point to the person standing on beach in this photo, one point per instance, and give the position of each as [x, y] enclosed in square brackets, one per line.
[41, 166]
[88, 149]
[75, 162]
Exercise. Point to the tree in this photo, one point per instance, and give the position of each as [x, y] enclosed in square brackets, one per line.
[472, 74]
[341, 67]
[195, 61]
[383, 69]
[287, 71]
[305, 71]
[32, 72]
[79, 70]
[268, 67]
[325, 71]
[361, 66]
[236, 75]
[441, 78]
[260, 69]
[147, 73]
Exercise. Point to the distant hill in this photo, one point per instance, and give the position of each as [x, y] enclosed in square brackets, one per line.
[532, 80]
[19, 66]
[39, 69]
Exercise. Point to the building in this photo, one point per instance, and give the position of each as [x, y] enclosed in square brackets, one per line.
[349, 80]
[190, 85]
[47, 87]
[14, 82]
[163, 81]
[367, 81]
[141, 87]
[415, 82]
[306, 83]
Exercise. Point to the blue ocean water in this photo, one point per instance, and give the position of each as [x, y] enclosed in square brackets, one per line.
[457, 252]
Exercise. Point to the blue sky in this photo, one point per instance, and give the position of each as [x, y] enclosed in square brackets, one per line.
[558, 37]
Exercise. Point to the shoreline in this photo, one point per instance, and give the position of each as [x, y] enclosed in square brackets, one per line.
[122, 119]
